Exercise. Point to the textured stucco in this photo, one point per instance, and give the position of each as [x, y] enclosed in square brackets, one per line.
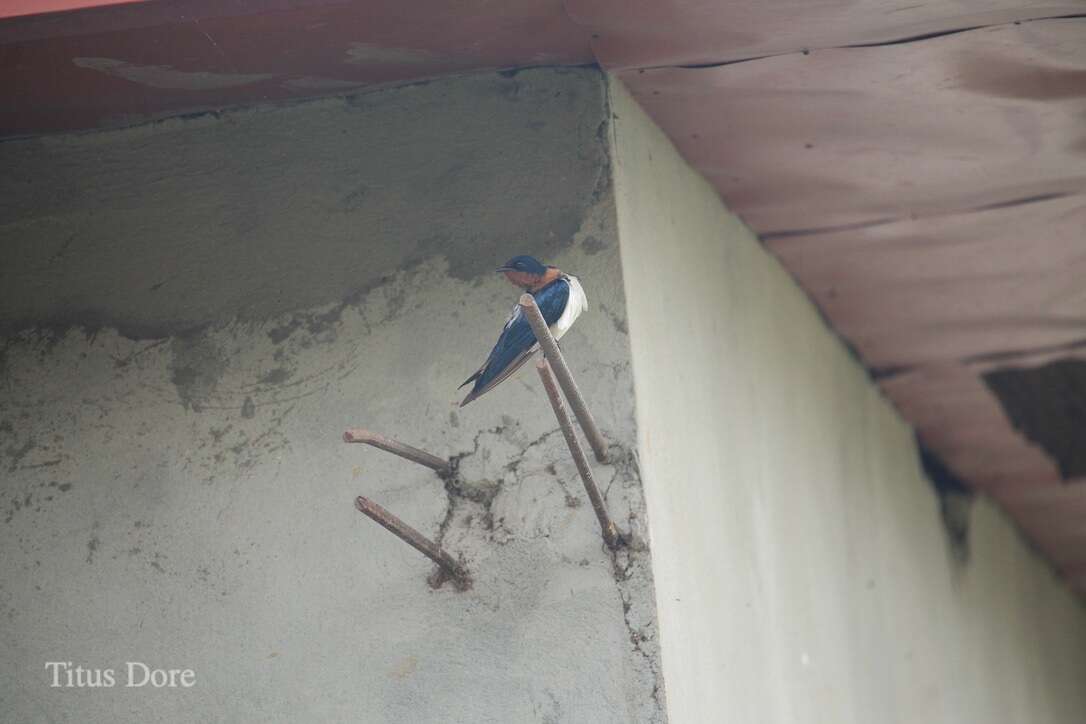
[185, 500]
[802, 573]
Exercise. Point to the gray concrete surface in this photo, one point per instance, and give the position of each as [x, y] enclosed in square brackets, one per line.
[194, 310]
[174, 488]
[802, 572]
[169, 226]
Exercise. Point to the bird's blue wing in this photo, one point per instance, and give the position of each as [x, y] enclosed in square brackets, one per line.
[517, 341]
[552, 300]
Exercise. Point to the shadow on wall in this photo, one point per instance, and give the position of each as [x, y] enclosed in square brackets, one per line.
[955, 503]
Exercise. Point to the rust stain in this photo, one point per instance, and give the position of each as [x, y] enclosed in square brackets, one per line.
[404, 667]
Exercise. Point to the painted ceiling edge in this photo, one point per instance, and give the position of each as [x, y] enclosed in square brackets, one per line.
[121, 64]
[23, 8]
[19, 21]
[83, 17]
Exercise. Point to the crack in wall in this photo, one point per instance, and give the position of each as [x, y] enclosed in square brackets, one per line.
[642, 638]
[631, 570]
[904, 40]
[818, 230]
[462, 493]
[470, 502]
[479, 495]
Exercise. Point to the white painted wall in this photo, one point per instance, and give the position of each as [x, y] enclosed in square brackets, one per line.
[801, 569]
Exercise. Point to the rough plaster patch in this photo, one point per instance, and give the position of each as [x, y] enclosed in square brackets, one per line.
[165, 76]
[593, 245]
[197, 365]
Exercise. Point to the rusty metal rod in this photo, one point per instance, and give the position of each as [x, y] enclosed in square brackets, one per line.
[565, 378]
[610, 532]
[413, 538]
[398, 448]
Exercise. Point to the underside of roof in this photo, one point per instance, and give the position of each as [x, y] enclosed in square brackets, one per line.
[919, 168]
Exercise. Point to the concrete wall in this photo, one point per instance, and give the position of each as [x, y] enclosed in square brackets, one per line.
[196, 309]
[802, 573]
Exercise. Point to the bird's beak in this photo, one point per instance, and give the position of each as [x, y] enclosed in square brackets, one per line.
[504, 269]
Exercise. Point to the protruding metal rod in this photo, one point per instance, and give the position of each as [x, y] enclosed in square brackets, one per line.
[398, 448]
[413, 538]
[565, 378]
[610, 532]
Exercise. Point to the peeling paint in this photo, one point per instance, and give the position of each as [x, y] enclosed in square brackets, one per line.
[1047, 405]
[369, 53]
[166, 76]
[92, 548]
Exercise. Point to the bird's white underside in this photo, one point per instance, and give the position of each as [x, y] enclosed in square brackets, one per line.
[576, 304]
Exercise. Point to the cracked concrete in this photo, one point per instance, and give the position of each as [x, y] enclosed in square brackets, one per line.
[186, 500]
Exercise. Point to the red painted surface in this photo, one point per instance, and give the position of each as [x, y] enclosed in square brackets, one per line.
[929, 194]
[15, 8]
[931, 198]
[958, 287]
[123, 63]
[858, 135]
[651, 33]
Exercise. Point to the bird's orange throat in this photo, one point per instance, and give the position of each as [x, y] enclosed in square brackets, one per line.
[540, 282]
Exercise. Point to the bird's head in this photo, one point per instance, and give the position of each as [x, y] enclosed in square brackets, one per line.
[526, 272]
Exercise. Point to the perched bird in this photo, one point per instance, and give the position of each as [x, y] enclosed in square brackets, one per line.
[560, 299]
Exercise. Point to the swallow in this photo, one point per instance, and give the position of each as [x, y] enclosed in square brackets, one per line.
[561, 300]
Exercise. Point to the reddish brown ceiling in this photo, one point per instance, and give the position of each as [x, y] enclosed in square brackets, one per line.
[124, 63]
[939, 126]
[650, 33]
[928, 192]
[919, 167]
